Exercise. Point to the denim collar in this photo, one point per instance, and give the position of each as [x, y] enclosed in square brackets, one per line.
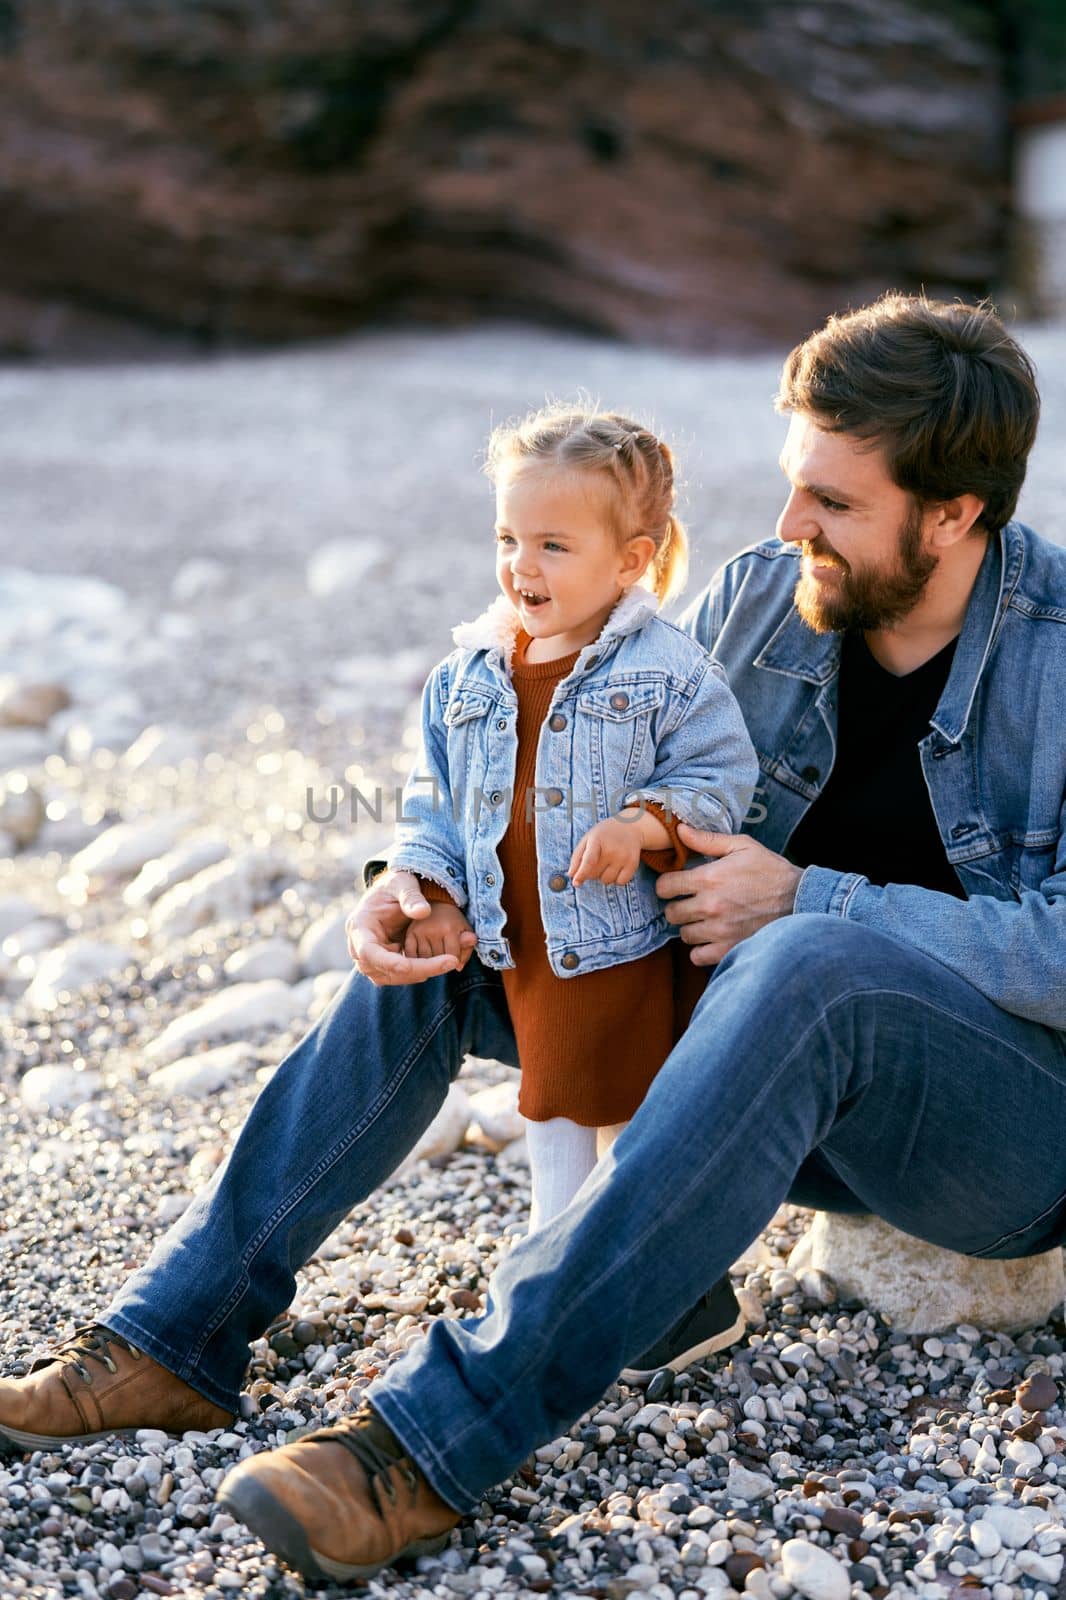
[798, 652]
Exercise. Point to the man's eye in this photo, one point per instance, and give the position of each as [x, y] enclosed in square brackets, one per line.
[832, 505]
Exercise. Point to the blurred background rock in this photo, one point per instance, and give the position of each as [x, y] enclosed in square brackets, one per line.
[698, 173]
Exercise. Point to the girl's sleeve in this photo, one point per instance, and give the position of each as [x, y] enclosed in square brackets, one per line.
[705, 768]
[428, 842]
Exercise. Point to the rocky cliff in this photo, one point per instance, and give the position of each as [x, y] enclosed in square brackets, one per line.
[691, 172]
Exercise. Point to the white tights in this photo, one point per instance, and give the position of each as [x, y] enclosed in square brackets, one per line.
[561, 1156]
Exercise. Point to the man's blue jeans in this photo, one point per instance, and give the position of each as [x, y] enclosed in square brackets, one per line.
[825, 1063]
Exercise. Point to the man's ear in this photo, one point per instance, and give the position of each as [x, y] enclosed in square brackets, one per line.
[951, 520]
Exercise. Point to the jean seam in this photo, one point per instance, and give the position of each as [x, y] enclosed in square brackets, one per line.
[324, 1166]
[662, 1219]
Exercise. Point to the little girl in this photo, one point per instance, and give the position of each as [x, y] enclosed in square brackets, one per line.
[570, 702]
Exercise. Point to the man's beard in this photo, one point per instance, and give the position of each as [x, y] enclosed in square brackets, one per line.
[869, 599]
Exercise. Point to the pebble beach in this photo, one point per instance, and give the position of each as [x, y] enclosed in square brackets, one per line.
[222, 584]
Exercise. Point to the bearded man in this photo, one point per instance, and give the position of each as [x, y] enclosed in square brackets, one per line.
[883, 1030]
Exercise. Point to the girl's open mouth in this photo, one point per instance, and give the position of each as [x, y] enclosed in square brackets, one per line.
[532, 601]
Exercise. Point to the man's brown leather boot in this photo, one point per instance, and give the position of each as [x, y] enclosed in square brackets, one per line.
[341, 1503]
[95, 1384]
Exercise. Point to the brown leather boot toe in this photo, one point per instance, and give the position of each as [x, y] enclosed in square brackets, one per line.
[341, 1503]
[93, 1385]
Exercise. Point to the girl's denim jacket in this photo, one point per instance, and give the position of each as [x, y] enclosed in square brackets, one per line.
[644, 714]
[994, 762]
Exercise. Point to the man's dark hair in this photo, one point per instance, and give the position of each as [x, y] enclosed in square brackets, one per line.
[945, 391]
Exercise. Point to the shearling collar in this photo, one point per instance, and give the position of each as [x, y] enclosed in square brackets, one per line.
[497, 628]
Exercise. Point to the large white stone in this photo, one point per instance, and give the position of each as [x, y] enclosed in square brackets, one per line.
[242, 1008]
[813, 1572]
[495, 1111]
[123, 849]
[340, 565]
[15, 912]
[925, 1289]
[57, 1088]
[324, 946]
[742, 1483]
[204, 1073]
[266, 958]
[445, 1133]
[73, 965]
[229, 891]
[32, 937]
[1014, 1524]
[188, 858]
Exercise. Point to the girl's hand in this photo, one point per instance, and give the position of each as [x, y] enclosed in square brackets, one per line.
[610, 852]
[445, 932]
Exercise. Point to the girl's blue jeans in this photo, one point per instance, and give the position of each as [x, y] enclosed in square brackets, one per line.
[826, 1064]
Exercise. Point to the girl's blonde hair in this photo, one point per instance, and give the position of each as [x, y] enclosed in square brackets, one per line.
[637, 465]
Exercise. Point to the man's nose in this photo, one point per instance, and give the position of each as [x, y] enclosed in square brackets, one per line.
[796, 523]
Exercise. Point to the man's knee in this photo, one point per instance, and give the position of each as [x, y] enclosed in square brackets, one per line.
[811, 955]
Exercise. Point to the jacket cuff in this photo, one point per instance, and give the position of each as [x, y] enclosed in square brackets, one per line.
[824, 890]
[673, 856]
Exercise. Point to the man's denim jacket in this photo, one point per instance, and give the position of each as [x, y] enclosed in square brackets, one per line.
[644, 714]
[994, 761]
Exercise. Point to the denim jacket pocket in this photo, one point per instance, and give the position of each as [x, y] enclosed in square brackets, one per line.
[620, 736]
[465, 705]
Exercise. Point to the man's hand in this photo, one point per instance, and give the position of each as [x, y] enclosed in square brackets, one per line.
[440, 934]
[724, 900]
[379, 925]
[610, 851]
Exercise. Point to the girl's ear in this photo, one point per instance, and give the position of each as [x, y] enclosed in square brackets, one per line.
[636, 556]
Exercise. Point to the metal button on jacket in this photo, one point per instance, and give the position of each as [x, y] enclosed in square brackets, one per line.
[810, 774]
[557, 881]
[554, 797]
[570, 961]
[619, 701]
[557, 722]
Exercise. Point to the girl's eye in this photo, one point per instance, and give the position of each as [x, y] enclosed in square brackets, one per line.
[504, 538]
[551, 545]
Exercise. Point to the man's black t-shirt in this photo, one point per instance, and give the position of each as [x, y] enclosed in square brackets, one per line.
[874, 815]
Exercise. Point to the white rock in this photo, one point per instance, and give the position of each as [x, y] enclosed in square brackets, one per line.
[324, 946]
[495, 1112]
[1046, 1569]
[122, 850]
[52, 1158]
[984, 1538]
[72, 966]
[240, 1009]
[226, 892]
[15, 912]
[1024, 1453]
[184, 861]
[110, 726]
[30, 705]
[156, 747]
[204, 1073]
[200, 576]
[1014, 1524]
[266, 958]
[171, 1207]
[743, 1484]
[444, 1134]
[341, 565]
[57, 1088]
[813, 1572]
[924, 1289]
[21, 808]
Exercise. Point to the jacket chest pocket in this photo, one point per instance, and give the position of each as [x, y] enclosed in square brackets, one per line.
[468, 720]
[618, 728]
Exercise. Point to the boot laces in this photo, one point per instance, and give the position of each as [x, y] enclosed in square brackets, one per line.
[92, 1343]
[365, 1436]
